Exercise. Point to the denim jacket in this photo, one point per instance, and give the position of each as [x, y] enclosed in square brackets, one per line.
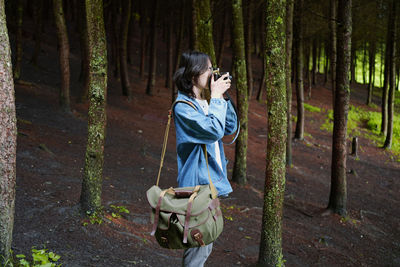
[194, 128]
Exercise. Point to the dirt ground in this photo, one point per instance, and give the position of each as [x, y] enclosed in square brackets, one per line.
[50, 160]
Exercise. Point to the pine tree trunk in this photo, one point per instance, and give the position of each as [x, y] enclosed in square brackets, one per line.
[193, 43]
[262, 82]
[364, 63]
[38, 18]
[8, 142]
[271, 232]
[93, 171]
[288, 46]
[115, 46]
[333, 40]
[204, 29]
[248, 47]
[326, 67]
[353, 64]
[371, 71]
[307, 69]
[123, 48]
[385, 89]
[240, 166]
[63, 54]
[179, 42]
[314, 60]
[84, 74]
[131, 33]
[18, 41]
[338, 193]
[153, 51]
[392, 72]
[143, 39]
[299, 134]
[221, 40]
[170, 55]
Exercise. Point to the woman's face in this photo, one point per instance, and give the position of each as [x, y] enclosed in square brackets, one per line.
[203, 80]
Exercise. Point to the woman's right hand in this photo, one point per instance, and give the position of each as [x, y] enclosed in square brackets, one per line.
[220, 86]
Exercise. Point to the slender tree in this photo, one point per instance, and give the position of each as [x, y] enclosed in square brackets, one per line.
[123, 52]
[63, 54]
[19, 51]
[271, 233]
[392, 71]
[288, 68]
[204, 30]
[371, 53]
[144, 37]
[249, 10]
[338, 193]
[332, 37]
[8, 142]
[153, 51]
[299, 134]
[93, 171]
[240, 166]
[84, 74]
[38, 20]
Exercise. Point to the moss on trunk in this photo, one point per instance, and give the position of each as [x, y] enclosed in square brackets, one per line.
[271, 234]
[8, 141]
[93, 171]
[204, 30]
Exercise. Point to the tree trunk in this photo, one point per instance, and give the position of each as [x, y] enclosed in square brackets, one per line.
[371, 71]
[18, 41]
[123, 49]
[353, 64]
[271, 232]
[299, 134]
[333, 40]
[364, 63]
[262, 82]
[115, 46]
[170, 55]
[131, 33]
[221, 40]
[153, 51]
[338, 193]
[84, 75]
[93, 171]
[179, 42]
[240, 166]
[314, 60]
[143, 38]
[248, 47]
[392, 72]
[38, 18]
[288, 46]
[204, 34]
[326, 65]
[385, 89]
[63, 53]
[8, 142]
[307, 69]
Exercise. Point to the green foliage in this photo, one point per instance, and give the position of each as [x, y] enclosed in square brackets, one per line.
[117, 210]
[40, 258]
[311, 108]
[95, 217]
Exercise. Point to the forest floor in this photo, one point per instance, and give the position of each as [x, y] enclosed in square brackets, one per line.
[50, 161]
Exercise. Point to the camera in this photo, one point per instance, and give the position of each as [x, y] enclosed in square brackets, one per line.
[217, 74]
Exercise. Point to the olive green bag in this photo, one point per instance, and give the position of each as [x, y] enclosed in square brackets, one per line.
[188, 216]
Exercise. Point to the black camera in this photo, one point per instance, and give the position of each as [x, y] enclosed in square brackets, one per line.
[217, 74]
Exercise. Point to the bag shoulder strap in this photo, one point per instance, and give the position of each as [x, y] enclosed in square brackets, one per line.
[164, 147]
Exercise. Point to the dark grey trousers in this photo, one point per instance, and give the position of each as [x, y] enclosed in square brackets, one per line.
[196, 257]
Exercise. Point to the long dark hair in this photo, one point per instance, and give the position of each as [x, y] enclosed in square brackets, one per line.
[192, 65]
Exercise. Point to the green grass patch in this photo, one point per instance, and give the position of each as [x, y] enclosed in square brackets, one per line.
[368, 125]
[311, 108]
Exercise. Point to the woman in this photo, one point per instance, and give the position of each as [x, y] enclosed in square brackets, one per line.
[206, 124]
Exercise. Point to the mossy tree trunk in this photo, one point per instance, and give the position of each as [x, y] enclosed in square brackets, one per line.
[123, 48]
[204, 30]
[288, 47]
[333, 40]
[240, 166]
[248, 45]
[63, 54]
[8, 141]
[93, 171]
[271, 233]
[338, 193]
[392, 72]
[299, 133]
[153, 51]
[18, 41]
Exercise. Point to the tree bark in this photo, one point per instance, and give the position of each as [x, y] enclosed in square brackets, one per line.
[63, 54]
[314, 60]
[170, 55]
[364, 63]
[153, 51]
[123, 49]
[240, 166]
[288, 46]
[143, 38]
[93, 171]
[338, 193]
[38, 18]
[18, 41]
[333, 40]
[248, 47]
[204, 31]
[299, 134]
[84, 74]
[353, 64]
[371, 53]
[8, 142]
[271, 232]
[385, 89]
[392, 72]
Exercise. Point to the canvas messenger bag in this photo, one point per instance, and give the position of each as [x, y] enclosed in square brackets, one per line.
[188, 216]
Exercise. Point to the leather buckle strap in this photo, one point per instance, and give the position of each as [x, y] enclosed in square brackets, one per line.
[188, 213]
[157, 214]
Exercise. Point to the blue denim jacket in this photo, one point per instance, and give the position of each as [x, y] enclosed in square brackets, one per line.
[194, 128]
